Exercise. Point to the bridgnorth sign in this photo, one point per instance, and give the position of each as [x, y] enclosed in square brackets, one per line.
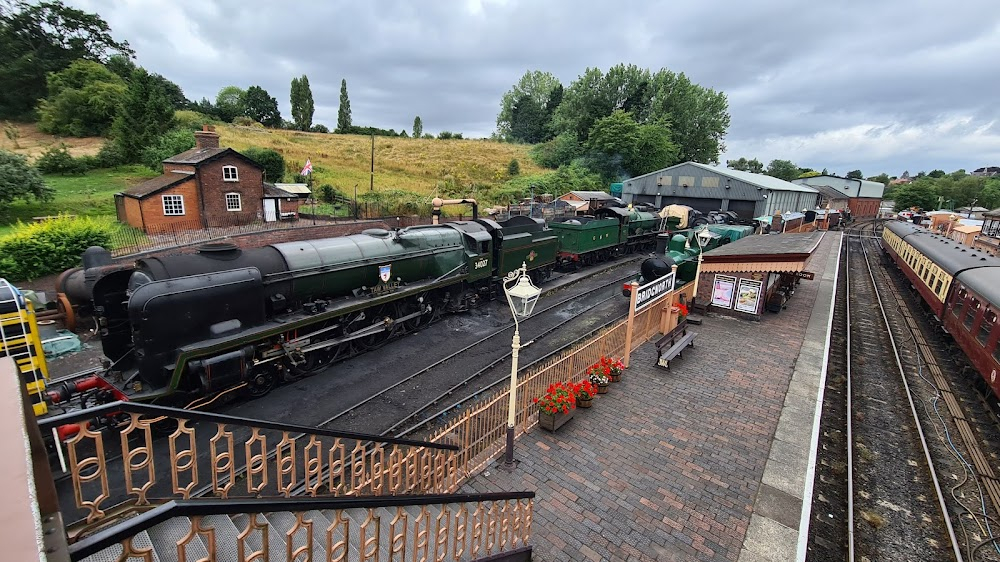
[649, 292]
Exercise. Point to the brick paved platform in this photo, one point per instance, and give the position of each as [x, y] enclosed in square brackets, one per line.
[707, 461]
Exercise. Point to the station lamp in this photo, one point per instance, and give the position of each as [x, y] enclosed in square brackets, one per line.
[521, 296]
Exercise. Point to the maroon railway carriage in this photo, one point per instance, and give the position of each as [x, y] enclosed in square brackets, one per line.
[960, 284]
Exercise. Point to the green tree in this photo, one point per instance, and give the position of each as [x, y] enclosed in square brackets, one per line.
[344, 113]
[514, 168]
[418, 127]
[37, 39]
[783, 169]
[936, 174]
[990, 195]
[528, 123]
[698, 116]
[535, 85]
[83, 100]
[171, 143]
[230, 103]
[261, 107]
[753, 166]
[271, 160]
[145, 114]
[809, 174]
[882, 178]
[855, 174]
[624, 145]
[18, 180]
[557, 152]
[923, 195]
[303, 106]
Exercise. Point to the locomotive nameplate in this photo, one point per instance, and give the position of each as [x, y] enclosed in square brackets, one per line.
[649, 292]
[383, 288]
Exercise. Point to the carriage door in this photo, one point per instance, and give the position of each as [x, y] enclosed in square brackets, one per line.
[270, 210]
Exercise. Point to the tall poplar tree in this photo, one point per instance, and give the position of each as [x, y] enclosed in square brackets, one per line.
[302, 103]
[344, 115]
[418, 127]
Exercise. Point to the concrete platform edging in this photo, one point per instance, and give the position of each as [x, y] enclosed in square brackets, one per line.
[779, 524]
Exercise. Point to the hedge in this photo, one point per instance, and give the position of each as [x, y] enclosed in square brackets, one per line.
[37, 249]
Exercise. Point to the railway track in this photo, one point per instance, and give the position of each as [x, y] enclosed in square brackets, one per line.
[896, 507]
[908, 476]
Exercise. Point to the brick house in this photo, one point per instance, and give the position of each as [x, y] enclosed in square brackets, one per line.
[206, 186]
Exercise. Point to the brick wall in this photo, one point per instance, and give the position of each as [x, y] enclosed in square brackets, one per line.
[214, 189]
[152, 209]
[864, 207]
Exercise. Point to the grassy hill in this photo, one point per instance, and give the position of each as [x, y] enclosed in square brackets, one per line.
[413, 165]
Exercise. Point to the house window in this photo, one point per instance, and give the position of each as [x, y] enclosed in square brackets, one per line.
[233, 202]
[173, 205]
[229, 173]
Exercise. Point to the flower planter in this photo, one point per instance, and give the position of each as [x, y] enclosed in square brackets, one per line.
[616, 378]
[553, 422]
[584, 402]
[603, 388]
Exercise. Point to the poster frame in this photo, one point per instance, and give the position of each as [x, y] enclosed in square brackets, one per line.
[748, 283]
[731, 280]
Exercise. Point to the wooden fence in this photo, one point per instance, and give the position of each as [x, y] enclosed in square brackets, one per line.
[481, 430]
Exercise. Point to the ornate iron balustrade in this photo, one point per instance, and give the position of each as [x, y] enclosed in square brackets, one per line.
[230, 457]
[417, 528]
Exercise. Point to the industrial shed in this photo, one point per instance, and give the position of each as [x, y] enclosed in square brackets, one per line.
[708, 188]
[863, 197]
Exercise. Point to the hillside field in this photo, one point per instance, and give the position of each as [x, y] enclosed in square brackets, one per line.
[416, 165]
[343, 161]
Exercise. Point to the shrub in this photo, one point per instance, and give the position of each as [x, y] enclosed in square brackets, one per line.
[271, 160]
[514, 168]
[171, 143]
[111, 155]
[37, 249]
[326, 193]
[56, 160]
[191, 120]
[444, 135]
[245, 121]
[317, 128]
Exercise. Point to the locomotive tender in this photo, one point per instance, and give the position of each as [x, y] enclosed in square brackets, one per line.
[960, 285]
[184, 327]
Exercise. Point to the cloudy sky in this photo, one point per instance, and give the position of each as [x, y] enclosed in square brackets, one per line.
[876, 85]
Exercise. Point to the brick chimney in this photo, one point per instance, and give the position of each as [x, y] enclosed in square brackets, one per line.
[206, 137]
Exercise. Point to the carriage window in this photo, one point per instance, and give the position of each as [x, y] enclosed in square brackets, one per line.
[970, 313]
[957, 309]
[985, 327]
[937, 288]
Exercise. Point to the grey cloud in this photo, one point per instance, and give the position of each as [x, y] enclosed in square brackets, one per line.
[805, 81]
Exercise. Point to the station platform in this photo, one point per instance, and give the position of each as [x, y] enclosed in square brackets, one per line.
[711, 460]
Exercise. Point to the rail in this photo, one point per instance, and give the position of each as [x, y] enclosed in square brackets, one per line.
[229, 456]
[939, 495]
[482, 525]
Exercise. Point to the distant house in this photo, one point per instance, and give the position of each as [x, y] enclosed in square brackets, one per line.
[989, 171]
[587, 202]
[204, 187]
[863, 197]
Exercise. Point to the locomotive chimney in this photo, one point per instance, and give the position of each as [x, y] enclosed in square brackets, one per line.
[206, 137]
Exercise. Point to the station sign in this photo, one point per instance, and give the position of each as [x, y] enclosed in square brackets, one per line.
[807, 275]
[646, 294]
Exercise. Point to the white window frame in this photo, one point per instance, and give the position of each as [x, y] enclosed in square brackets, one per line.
[239, 202]
[174, 200]
[228, 171]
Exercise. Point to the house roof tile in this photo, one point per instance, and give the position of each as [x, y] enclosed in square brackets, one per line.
[153, 185]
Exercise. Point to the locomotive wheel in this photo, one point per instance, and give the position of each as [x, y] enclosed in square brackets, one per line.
[407, 326]
[261, 383]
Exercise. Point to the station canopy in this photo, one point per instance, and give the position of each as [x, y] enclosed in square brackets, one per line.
[774, 253]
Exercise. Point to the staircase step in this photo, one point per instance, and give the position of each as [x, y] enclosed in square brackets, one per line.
[254, 541]
[166, 535]
[113, 553]
[226, 536]
[284, 521]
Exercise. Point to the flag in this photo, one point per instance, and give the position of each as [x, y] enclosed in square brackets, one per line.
[307, 169]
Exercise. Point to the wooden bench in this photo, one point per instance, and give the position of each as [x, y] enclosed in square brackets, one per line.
[673, 343]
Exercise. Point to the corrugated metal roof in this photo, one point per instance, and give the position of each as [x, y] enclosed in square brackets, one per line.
[593, 195]
[296, 188]
[766, 182]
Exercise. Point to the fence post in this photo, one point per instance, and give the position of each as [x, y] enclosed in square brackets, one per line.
[631, 322]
